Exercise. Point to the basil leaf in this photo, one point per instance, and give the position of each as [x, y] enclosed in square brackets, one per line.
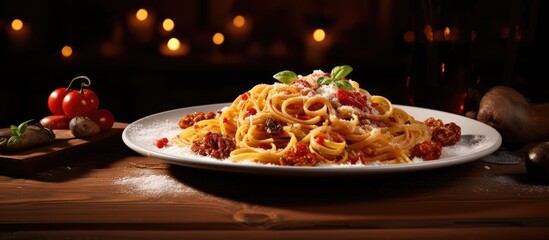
[13, 140]
[344, 84]
[285, 76]
[340, 72]
[324, 80]
[15, 130]
[23, 127]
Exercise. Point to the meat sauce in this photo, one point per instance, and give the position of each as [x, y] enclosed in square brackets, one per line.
[442, 135]
[190, 119]
[220, 146]
[214, 145]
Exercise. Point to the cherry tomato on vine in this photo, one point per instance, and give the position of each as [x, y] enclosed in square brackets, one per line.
[55, 122]
[103, 118]
[56, 99]
[92, 98]
[79, 104]
[67, 103]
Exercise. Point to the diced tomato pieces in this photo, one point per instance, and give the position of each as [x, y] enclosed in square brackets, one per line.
[301, 149]
[245, 96]
[163, 142]
[251, 112]
[355, 99]
[299, 156]
[320, 139]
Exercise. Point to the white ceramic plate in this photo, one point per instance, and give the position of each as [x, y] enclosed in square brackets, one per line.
[478, 140]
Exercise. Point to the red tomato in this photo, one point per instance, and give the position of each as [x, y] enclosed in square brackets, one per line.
[103, 118]
[80, 104]
[92, 98]
[56, 99]
[354, 99]
[163, 142]
[56, 122]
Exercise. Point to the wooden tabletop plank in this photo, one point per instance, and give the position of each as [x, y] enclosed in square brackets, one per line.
[500, 233]
[116, 190]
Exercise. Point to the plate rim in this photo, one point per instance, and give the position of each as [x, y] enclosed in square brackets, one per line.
[228, 166]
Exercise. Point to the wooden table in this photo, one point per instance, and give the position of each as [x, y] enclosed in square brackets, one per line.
[114, 193]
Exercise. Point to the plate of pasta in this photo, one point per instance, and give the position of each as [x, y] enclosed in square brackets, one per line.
[316, 124]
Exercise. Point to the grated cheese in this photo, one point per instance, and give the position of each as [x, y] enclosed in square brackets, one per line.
[329, 92]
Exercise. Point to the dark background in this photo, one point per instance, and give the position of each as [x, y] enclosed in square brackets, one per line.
[498, 43]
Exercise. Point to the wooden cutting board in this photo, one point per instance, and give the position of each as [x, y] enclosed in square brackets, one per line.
[27, 162]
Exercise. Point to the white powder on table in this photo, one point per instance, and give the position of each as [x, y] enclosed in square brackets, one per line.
[146, 136]
[467, 145]
[147, 182]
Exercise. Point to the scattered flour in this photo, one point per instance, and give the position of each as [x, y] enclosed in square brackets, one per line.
[146, 182]
[465, 146]
[145, 136]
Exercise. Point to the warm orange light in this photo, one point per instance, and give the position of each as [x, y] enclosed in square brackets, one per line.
[409, 36]
[174, 47]
[174, 44]
[442, 68]
[319, 35]
[428, 31]
[141, 14]
[16, 24]
[447, 33]
[218, 38]
[66, 51]
[239, 21]
[168, 24]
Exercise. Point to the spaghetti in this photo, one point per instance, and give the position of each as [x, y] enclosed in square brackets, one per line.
[317, 119]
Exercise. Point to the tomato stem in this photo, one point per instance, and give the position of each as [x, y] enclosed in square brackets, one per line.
[82, 86]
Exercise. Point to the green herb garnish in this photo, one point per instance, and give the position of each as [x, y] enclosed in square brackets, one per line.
[17, 133]
[337, 75]
[286, 76]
